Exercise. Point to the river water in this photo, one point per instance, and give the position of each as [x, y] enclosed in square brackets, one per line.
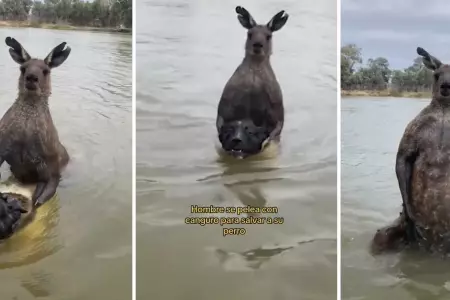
[186, 51]
[371, 132]
[79, 247]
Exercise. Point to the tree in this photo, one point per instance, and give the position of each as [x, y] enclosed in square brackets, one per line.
[350, 56]
[111, 13]
[376, 73]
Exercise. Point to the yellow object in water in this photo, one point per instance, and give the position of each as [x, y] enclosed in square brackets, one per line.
[33, 241]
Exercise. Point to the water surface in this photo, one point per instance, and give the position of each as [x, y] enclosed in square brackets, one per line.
[79, 247]
[186, 51]
[371, 132]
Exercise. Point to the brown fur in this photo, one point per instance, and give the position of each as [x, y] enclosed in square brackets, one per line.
[29, 141]
[423, 167]
[391, 237]
[253, 92]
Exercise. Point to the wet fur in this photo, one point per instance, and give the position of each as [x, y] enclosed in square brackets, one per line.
[29, 141]
[253, 94]
[423, 169]
[16, 212]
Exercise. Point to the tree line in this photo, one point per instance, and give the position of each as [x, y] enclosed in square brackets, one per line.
[375, 74]
[96, 13]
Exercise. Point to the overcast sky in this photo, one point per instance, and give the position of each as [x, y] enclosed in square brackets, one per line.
[394, 28]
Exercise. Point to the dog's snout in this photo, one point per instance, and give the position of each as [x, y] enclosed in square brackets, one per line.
[31, 78]
[235, 142]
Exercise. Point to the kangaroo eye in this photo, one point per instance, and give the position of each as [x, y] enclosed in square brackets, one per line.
[22, 70]
[46, 72]
[249, 35]
[269, 37]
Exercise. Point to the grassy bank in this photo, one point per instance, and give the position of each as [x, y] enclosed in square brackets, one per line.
[385, 93]
[26, 24]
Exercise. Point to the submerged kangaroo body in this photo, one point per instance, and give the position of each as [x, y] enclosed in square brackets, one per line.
[250, 110]
[29, 141]
[423, 173]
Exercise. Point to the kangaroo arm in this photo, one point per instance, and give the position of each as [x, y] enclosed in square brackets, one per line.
[276, 132]
[403, 171]
[45, 191]
[403, 168]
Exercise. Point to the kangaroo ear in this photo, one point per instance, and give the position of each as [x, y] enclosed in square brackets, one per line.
[57, 56]
[17, 52]
[278, 21]
[245, 18]
[428, 60]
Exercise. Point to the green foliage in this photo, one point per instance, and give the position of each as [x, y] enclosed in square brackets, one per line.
[377, 75]
[350, 57]
[97, 13]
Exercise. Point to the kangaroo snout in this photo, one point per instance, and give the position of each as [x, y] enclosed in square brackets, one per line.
[31, 82]
[257, 47]
[31, 78]
[445, 89]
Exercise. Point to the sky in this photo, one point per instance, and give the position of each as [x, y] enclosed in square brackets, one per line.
[395, 28]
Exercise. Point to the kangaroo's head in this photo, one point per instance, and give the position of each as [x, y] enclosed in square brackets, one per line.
[259, 37]
[34, 79]
[441, 75]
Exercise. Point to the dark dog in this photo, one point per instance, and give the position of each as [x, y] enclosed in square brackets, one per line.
[11, 211]
[251, 110]
[423, 169]
[29, 141]
[242, 138]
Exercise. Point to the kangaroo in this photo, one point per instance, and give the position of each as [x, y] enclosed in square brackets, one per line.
[250, 111]
[423, 170]
[29, 141]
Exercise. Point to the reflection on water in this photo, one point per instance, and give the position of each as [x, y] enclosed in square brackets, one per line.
[254, 258]
[79, 245]
[186, 51]
[371, 132]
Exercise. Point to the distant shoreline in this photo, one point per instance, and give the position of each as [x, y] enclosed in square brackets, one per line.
[27, 24]
[384, 93]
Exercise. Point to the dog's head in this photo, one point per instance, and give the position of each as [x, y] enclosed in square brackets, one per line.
[11, 211]
[242, 138]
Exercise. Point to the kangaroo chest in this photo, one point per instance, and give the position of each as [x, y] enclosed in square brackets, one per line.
[430, 201]
[27, 137]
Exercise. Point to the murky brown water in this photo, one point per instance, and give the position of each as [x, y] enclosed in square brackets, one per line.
[371, 131]
[186, 51]
[80, 245]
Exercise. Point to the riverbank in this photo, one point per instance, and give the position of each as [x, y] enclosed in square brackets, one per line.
[25, 24]
[385, 93]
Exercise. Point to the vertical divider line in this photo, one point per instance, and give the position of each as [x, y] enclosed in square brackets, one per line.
[133, 219]
[338, 97]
